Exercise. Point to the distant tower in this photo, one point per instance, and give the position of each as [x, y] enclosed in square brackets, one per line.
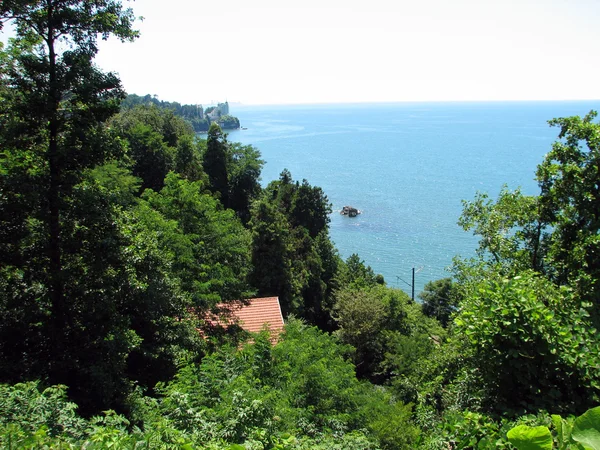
[200, 111]
[224, 108]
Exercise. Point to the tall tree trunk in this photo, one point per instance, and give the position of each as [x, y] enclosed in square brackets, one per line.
[58, 319]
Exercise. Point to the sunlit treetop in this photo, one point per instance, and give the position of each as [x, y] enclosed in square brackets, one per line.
[72, 23]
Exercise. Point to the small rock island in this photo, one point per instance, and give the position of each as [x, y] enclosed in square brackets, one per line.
[350, 211]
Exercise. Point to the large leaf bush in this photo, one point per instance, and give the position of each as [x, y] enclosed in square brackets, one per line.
[534, 344]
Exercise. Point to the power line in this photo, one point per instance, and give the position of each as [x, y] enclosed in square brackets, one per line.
[405, 282]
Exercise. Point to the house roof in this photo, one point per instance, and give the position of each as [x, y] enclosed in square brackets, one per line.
[252, 317]
[260, 312]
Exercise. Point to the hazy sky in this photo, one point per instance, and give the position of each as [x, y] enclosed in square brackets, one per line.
[321, 51]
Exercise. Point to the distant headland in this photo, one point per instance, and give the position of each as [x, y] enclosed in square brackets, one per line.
[196, 115]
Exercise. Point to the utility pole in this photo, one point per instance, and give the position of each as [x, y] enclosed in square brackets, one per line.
[413, 284]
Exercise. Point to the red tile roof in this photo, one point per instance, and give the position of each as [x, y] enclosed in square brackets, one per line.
[260, 312]
[253, 317]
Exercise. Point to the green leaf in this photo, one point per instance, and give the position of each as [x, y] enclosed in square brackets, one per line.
[530, 438]
[586, 429]
[560, 428]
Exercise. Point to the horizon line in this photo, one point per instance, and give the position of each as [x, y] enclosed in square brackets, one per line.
[392, 102]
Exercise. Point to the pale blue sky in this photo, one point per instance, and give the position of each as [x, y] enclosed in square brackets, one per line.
[320, 51]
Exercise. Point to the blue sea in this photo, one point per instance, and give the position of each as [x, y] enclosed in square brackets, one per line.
[407, 167]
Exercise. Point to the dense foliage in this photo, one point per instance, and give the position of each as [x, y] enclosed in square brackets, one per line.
[120, 229]
[300, 394]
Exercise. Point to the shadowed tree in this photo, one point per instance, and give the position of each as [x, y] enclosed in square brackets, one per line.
[439, 300]
[271, 254]
[55, 103]
[244, 175]
[215, 163]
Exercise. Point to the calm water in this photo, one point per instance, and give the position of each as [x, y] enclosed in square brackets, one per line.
[407, 167]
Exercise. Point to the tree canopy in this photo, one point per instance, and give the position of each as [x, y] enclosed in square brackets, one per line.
[123, 232]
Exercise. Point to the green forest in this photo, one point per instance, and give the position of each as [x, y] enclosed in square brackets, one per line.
[120, 229]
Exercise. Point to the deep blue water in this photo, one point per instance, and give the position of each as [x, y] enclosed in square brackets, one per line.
[407, 167]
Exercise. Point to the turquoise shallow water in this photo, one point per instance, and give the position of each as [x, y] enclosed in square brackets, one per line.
[407, 167]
